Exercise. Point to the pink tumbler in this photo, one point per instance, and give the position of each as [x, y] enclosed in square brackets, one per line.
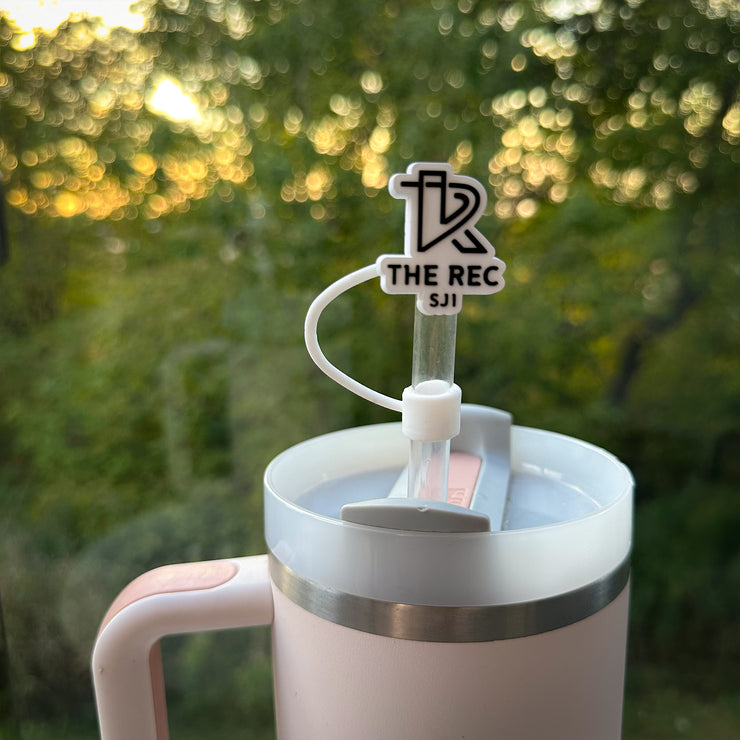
[502, 615]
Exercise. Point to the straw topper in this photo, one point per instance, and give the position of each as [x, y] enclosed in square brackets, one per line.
[446, 257]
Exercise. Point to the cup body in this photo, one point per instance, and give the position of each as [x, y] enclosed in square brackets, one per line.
[517, 634]
[333, 682]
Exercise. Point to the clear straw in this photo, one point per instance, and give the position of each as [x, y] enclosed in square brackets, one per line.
[433, 359]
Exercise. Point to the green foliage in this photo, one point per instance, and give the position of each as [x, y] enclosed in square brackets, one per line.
[655, 710]
[695, 603]
[226, 675]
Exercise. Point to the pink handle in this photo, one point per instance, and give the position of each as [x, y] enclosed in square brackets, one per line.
[175, 599]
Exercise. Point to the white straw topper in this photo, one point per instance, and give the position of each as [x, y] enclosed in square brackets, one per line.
[445, 257]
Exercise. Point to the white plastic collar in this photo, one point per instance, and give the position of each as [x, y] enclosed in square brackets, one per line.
[431, 411]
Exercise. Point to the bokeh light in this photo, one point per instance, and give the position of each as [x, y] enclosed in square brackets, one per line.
[170, 100]
[32, 16]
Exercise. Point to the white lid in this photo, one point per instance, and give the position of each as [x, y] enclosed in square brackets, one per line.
[577, 496]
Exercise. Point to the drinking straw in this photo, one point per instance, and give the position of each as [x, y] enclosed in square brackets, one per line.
[433, 359]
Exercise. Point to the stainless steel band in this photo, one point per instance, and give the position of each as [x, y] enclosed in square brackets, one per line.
[449, 623]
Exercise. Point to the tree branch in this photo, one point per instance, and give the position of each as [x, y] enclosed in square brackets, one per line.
[643, 336]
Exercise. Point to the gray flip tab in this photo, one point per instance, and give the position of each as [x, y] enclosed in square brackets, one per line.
[486, 433]
[415, 515]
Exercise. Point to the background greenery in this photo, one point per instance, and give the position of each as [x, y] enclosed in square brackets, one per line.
[152, 299]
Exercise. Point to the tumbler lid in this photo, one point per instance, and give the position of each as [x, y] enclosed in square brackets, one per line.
[564, 521]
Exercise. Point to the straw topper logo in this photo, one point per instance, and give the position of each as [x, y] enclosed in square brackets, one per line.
[445, 256]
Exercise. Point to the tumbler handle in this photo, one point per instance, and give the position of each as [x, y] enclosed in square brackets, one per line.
[174, 599]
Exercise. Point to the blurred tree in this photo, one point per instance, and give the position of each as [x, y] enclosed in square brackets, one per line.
[641, 97]
[8, 724]
[4, 243]
[295, 107]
